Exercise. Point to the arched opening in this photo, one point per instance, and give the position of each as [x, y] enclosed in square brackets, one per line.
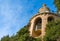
[50, 19]
[38, 26]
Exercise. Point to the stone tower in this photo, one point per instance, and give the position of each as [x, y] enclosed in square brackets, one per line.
[38, 22]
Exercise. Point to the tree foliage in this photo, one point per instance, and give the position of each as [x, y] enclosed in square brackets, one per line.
[52, 31]
[5, 38]
[57, 4]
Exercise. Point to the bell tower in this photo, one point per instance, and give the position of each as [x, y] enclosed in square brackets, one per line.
[38, 22]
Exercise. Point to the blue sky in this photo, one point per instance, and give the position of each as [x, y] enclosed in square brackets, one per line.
[14, 14]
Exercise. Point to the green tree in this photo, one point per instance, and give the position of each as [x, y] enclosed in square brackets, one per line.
[5, 38]
[57, 4]
[13, 38]
[52, 31]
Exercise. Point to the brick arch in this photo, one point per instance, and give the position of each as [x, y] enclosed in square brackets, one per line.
[50, 18]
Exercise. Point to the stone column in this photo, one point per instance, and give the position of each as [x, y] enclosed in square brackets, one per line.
[31, 28]
[44, 22]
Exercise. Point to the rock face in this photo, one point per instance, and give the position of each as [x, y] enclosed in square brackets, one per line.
[38, 22]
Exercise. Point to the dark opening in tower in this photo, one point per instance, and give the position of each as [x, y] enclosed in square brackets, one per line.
[50, 19]
[38, 24]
